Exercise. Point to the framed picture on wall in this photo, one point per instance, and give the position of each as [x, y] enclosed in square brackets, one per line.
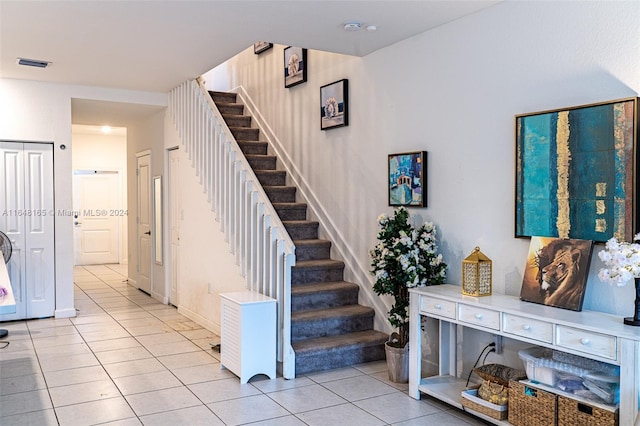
[295, 66]
[334, 105]
[575, 172]
[556, 272]
[406, 179]
[261, 46]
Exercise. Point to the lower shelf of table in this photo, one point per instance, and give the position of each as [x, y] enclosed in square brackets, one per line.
[449, 389]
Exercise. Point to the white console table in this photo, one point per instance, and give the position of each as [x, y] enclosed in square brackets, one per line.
[593, 335]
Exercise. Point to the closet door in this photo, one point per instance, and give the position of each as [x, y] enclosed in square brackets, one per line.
[27, 217]
[12, 221]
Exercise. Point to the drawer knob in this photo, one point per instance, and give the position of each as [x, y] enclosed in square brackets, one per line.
[478, 316]
[584, 341]
[437, 306]
[526, 327]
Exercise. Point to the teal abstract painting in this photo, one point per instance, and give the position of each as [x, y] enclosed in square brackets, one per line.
[575, 172]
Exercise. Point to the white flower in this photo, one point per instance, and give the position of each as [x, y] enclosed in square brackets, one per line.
[622, 260]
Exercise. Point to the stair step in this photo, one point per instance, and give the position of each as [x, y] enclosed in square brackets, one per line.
[245, 133]
[281, 194]
[225, 97]
[323, 295]
[301, 229]
[316, 271]
[253, 147]
[291, 211]
[330, 322]
[235, 109]
[312, 249]
[262, 162]
[325, 353]
[237, 120]
[271, 177]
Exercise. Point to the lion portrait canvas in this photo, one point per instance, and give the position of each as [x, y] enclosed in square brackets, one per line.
[556, 272]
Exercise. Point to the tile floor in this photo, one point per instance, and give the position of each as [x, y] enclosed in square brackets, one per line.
[129, 360]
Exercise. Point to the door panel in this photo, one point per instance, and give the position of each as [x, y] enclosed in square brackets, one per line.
[96, 228]
[175, 210]
[144, 223]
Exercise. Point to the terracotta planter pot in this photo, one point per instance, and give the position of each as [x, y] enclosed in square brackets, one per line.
[397, 363]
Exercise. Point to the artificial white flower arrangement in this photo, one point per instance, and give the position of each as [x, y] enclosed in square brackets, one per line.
[622, 260]
[404, 257]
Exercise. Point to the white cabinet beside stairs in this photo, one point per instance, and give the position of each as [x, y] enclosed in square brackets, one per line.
[248, 334]
[27, 217]
[593, 335]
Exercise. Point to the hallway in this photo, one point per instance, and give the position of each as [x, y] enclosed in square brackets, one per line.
[128, 360]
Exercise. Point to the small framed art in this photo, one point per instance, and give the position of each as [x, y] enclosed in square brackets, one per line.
[334, 104]
[295, 66]
[556, 272]
[261, 46]
[406, 179]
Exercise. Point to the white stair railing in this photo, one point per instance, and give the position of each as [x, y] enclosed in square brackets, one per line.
[262, 247]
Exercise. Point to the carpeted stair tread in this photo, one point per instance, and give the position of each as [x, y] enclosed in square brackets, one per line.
[329, 313]
[312, 249]
[319, 264]
[333, 343]
[311, 242]
[261, 162]
[248, 134]
[224, 97]
[281, 193]
[301, 229]
[271, 177]
[254, 147]
[323, 287]
[235, 120]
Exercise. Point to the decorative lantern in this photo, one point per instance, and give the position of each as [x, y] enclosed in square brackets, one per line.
[476, 274]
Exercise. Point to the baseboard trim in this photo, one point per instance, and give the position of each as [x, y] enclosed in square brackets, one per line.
[65, 313]
[199, 319]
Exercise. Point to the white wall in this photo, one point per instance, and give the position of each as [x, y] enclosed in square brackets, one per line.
[93, 151]
[453, 92]
[206, 266]
[36, 111]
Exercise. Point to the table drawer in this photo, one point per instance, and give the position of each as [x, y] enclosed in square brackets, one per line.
[439, 307]
[601, 345]
[527, 327]
[479, 316]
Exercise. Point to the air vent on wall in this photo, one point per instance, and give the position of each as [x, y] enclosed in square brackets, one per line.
[33, 63]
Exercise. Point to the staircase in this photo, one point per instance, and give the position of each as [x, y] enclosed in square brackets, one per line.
[329, 329]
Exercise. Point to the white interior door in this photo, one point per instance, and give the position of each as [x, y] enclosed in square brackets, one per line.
[27, 217]
[143, 171]
[96, 219]
[175, 213]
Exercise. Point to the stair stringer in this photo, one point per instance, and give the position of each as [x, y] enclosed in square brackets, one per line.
[355, 271]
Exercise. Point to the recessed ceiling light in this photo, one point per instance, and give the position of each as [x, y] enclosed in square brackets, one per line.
[352, 26]
[33, 63]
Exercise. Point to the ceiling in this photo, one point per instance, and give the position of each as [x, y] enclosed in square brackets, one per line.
[152, 45]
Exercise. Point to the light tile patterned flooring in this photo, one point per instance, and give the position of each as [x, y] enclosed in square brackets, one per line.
[128, 360]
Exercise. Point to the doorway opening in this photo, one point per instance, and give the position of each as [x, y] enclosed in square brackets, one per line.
[99, 163]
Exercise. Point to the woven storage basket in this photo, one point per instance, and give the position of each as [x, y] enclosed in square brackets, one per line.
[530, 406]
[572, 412]
[471, 401]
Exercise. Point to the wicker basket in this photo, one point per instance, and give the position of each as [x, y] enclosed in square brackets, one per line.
[471, 401]
[530, 406]
[572, 412]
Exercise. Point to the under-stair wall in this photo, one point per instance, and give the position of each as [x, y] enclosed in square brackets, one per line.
[262, 248]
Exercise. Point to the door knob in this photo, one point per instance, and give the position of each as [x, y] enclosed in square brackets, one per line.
[75, 222]
[147, 233]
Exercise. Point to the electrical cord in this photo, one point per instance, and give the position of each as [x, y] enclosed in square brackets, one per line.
[490, 345]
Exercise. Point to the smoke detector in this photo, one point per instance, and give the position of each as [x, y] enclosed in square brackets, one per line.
[352, 26]
[33, 63]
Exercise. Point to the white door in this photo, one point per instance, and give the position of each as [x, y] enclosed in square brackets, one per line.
[96, 217]
[175, 213]
[143, 172]
[27, 217]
